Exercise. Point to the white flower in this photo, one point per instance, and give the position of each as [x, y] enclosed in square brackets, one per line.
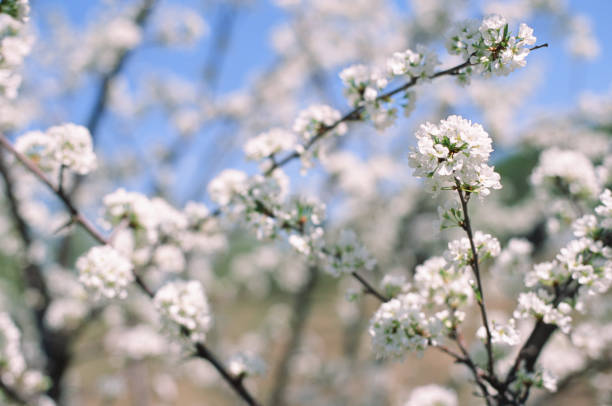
[184, 307]
[545, 273]
[269, 143]
[39, 147]
[314, 119]
[400, 325]
[137, 342]
[432, 395]
[442, 283]
[180, 26]
[392, 284]
[348, 255]
[454, 149]
[460, 252]
[505, 333]
[226, 185]
[605, 209]
[539, 305]
[74, 148]
[65, 313]
[362, 84]
[419, 64]
[566, 172]
[169, 258]
[585, 226]
[490, 47]
[105, 271]
[246, 364]
[462, 37]
[68, 144]
[135, 209]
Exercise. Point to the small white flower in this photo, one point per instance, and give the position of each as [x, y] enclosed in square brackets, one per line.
[226, 185]
[246, 364]
[184, 308]
[454, 150]
[105, 271]
[432, 395]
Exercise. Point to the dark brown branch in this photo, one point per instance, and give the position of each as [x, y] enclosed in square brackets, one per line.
[236, 382]
[467, 227]
[368, 288]
[467, 360]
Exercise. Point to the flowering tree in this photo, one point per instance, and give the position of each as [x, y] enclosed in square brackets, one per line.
[104, 256]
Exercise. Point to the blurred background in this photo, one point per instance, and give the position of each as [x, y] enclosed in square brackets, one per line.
[171, 91]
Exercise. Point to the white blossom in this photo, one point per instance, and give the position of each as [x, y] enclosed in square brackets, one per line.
[432, 395]
[454, 149]
[246, 364]
[347, 255]
[74, 148]
[269, 143]
[442, 283]
[505, 333]
[105, 272]
[184, 307]
[416, 64]
[400, 325]
[539, 305]
[226, 185]
[460, 251]
[566, 172]
[316, 118]
[69, 145]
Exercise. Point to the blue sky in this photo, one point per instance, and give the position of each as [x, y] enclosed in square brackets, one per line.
[563, 79]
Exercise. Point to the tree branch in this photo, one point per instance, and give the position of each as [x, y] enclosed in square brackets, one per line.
[467, 227]
[355, 114]
[201, 350]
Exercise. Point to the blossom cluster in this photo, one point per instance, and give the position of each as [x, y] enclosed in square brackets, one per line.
[490, 46]
[401, 325]
[184, 309]
[15, 44]
[106, 272]
[152, 232]
[582, 268]
[269, 143]
[432, 395]
[261, 203]
[14, 371]
[441, 284]
[454, 151]
[566, 173]
[245, 364]
[68, 145]
[347, 255]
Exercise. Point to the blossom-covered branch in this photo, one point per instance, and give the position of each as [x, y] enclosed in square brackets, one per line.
[111, 259]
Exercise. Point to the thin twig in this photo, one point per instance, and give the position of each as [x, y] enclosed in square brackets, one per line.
[368, 288]
[355, 114]
[467, 227]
